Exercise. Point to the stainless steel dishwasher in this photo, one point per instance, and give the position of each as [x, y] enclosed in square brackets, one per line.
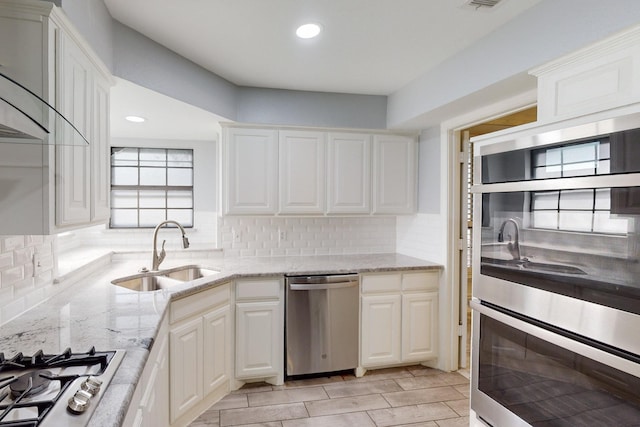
[321, 323]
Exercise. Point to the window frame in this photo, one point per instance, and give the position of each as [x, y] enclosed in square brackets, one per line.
[155, 187]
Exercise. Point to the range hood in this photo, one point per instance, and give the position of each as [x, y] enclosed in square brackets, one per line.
[27, 118]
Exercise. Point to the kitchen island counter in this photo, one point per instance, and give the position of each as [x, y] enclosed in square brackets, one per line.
[94, 312]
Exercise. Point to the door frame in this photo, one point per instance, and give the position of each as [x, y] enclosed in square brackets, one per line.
[450, 134]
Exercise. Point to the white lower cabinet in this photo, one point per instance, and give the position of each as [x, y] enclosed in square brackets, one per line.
[200, 352]
[381, 317]
[186, 357]
[399, 318]
[419, 320]
[149, 405]
[260, 330]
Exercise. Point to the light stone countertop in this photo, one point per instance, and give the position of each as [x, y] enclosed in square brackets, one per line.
[93, 312]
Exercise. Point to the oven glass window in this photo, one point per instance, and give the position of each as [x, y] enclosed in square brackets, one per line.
[547, 385]
[580, 243]
[603, 155]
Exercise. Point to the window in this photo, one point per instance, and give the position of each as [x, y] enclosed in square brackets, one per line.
[583, 210]
[150, 185]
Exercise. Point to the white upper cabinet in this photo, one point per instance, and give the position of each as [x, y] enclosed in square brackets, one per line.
[251, 171]
[349, 173]
[293, 171]
[302, 172]
[74, 88]
[601, 76]
[395, 174]
[57, 64]
[100, 161]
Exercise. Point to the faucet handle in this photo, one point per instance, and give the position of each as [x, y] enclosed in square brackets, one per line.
[162, 254]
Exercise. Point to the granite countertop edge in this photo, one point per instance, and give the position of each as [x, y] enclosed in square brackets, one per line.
[93, 312]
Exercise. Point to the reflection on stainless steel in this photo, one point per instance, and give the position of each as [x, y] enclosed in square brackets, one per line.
[525, 264]
[547, 377]
[566, 285]
[513, 247]
[321, 323]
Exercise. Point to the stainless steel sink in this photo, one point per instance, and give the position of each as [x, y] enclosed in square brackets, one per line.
[146, 282]
[163, 279]
[186, 273]
[533, 266]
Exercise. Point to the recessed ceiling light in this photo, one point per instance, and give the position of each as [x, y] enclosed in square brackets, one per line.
[135, 119]
[308, 31]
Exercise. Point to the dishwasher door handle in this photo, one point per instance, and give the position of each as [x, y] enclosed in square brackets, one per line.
[321, 286]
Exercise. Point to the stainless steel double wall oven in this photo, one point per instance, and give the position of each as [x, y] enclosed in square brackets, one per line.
[556, 276]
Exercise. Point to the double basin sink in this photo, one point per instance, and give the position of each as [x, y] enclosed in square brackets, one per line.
[163, 279]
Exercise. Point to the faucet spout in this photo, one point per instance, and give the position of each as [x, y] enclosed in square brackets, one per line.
[513, 247]
[158, 258]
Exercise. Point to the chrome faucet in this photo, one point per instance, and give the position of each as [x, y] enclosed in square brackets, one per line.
[157, 259]
[513, 247]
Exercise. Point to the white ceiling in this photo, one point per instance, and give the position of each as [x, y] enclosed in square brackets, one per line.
[165, 117]
[367, 47]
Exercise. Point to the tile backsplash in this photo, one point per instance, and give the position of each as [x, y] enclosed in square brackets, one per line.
[277, 236]
[22, 284]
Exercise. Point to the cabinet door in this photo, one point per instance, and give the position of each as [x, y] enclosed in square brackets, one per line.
[185, 353]
[395, 174]
[349, 173]
[251, 171]
[381, 325]
[155, 400]
[100, 173]
[73, 156]
[217, 339]
[419, 326]
[258, 339]
[302, 172]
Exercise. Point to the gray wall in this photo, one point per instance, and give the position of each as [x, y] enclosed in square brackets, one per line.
[495, 65]
[429, 171]
[149, 64]
[546, 31]
[272, 106]
[93, 20]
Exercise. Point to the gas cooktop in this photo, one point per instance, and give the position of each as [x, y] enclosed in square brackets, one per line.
[54, 389]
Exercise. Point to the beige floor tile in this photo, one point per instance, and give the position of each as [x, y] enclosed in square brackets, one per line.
[357, 419]
[352, 388]
[262, 414]
[425, 424]
[210, 418]
[427, 395]
[463, 389]
[411, 414]
[419, 370]
[454, 422]
[287, 396]
[382, 374]
[310, 382]
[254, 388]
[231, 401]
[346, 404]
[271, 424]
[460, 406]
[438, 380]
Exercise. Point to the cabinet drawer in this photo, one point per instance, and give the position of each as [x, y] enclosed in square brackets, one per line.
[381, 282]
[258, 289]
[194, 304]
[420, 281]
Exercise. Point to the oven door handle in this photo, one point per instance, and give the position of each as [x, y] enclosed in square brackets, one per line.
[559, 340]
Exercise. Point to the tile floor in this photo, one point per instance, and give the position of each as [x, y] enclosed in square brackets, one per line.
[412, 396]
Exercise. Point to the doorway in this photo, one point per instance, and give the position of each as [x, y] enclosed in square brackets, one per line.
[465, 225]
